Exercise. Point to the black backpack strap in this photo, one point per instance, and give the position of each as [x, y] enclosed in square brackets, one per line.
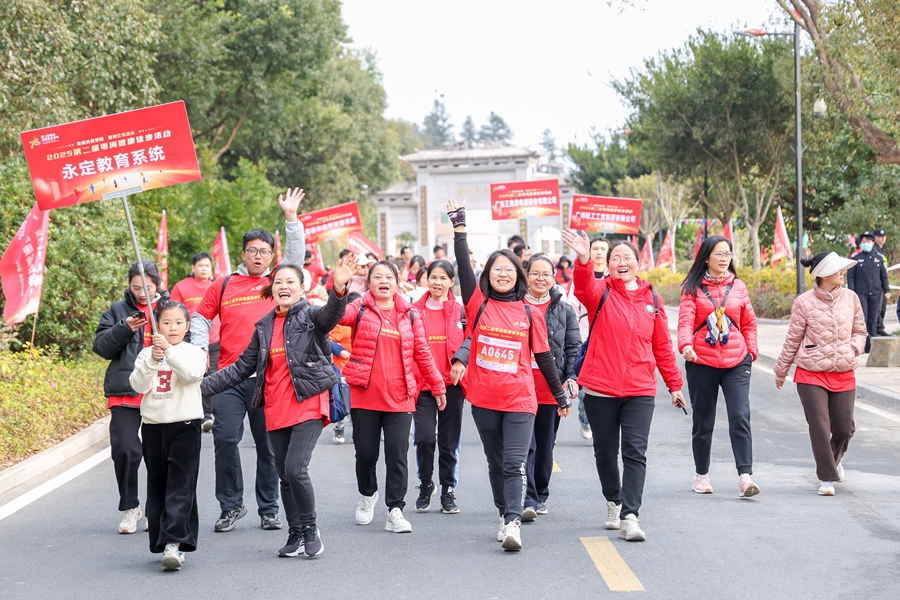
[362, 307]
[222, 291]
[528, 314]
[716, 306]
[599, 306]
[478, 315]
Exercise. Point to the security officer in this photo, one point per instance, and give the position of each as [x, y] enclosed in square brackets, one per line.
[880, 238]
[870, 282]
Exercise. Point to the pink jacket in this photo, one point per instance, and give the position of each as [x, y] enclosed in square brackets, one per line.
[692, 315]
[413, 342]
[827, 332]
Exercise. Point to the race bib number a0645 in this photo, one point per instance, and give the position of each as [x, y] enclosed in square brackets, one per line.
[495, 354]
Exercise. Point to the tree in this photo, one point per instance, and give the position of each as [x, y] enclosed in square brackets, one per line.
[436, 127]
[599, 170]
[857, 44]
[720, 107]
[548, 143]
[644, 188]
[469, 133]
[496, 130]
[409, 140]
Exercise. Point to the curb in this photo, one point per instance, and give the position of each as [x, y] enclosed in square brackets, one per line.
[54, 456]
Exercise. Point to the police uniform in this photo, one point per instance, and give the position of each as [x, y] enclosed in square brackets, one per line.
[870, 282]
[883, 253]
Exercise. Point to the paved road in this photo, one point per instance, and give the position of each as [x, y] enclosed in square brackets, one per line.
[785, 543]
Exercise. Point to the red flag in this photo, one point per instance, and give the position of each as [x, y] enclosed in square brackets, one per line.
[360, 244]
[647, 256]
[221, 260]
[667, 252]
[277, 248]
[782, 243]
[728, 232]
[162, 251]
[22, 267]
[698, 242]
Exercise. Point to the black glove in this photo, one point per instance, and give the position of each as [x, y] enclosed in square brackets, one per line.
[563, 400]
[458, 217]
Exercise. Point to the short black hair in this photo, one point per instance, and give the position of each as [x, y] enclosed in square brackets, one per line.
[200, 256]
[519, 250]
[444, 265]
[171, 305]
[598, 238]
[514, 239]
[344, 253]
[258, 234]
[405, 248]
[436, 248]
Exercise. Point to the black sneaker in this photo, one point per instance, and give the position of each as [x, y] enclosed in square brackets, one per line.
[269, 522]
[448, 503]
[207, 423]
[312, 541]
[426, 491]
[541, 508]
[228, 518]
[294, 545]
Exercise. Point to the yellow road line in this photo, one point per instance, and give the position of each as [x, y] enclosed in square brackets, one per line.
[616, 573]
[556, 468]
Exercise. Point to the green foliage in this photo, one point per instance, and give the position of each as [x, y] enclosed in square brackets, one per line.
[436, 127]
[44, 399]
[469, 134]
[599, 169]
[548, 143]
[495, 130]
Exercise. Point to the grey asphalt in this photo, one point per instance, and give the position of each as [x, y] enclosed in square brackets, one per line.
[785, 543]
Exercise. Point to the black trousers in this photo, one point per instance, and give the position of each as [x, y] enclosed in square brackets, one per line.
[879, 327]
[367, 428]
[506, 437]
[631, 417]
[293, 448]
[172, 456]
[213, 367]
[703, 384]
[125, 446]
[449, 430]
[229, 408]
[871, 304]
[539, 465]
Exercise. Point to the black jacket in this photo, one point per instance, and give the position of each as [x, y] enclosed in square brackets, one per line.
[117, 343]
[307, 347]
[869, 276]
[562, 332]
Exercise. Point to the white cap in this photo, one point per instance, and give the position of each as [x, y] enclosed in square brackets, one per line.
[307, 280]
[362, 260]
[831, 264]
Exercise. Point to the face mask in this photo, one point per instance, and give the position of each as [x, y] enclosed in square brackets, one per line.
[866, 246]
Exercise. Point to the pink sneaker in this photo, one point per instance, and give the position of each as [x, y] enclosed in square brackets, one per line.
[747, 488]
[701, 484]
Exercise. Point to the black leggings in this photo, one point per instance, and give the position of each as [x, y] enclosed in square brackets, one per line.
[506, 437]
[293, 447]
[449, 429]
[539, 466]
[367, 428]
[125, 446]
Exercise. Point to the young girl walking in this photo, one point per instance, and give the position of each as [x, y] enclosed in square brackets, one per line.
[169, 373]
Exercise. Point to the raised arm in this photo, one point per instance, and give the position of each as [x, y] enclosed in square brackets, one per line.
[294, 235]
[464, 271]
[326, 317]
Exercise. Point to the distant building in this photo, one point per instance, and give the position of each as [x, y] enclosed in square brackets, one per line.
[416, 211]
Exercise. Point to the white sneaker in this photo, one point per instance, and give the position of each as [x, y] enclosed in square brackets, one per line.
[172, 558]
[630, 531]
[501, 535]
[365, 512]
[512, 541]
[826, 488]
[841, 477]
[612, 515]
[586, 432]
[130, 519]
[396, 522]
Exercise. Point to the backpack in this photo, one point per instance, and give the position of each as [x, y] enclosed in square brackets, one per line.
[582, 350]
[339, 399]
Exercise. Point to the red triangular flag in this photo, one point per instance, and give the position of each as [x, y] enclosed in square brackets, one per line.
[22, 267]
[782, 243]
[221, 260]
[667, 252]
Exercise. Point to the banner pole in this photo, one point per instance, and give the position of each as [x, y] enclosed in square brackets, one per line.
[140, 263]
[34, 324]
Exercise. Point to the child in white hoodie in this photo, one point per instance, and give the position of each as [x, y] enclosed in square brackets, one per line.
[169, 373]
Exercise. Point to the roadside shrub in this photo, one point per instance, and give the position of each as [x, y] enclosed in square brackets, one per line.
[44, 399]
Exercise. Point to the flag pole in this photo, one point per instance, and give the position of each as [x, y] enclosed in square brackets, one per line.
[34, 324]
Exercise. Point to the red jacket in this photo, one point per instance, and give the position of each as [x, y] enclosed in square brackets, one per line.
[456, 334]
[412, 339]
[694, 310]
[628, 341]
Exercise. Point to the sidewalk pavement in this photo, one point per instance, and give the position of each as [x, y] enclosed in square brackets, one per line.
[875, 384]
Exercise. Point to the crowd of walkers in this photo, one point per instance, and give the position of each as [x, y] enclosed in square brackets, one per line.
[528, 337]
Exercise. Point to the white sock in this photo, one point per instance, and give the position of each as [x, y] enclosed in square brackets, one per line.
[745, 476]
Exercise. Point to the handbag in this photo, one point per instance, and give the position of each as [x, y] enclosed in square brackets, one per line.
[338, 399]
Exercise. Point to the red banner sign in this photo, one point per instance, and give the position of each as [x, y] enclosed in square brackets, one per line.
[518, 199]
[81, 161]
[360, 244]
[612, 215]
[22, 267]
[332, 222]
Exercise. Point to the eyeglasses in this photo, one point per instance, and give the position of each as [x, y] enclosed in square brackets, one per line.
[615, 260]
[723, 254]
[507, 270]
[541, 275]
[264, 252]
